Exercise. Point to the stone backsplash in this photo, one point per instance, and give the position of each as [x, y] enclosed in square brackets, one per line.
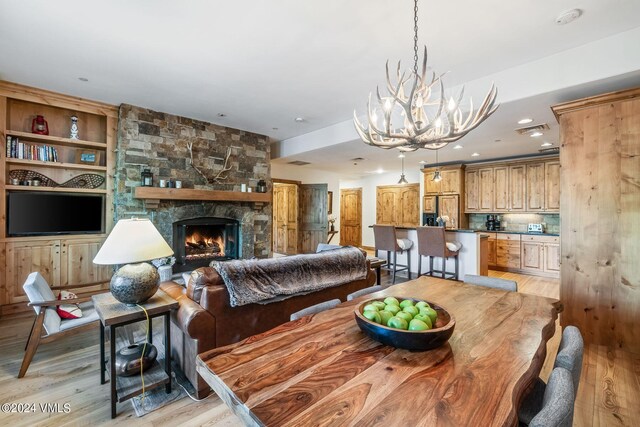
[158, 141]
[518, 222]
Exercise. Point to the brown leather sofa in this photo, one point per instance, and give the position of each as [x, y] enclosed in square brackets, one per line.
[205, 320]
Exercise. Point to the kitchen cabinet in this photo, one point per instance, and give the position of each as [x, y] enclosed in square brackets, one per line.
[517, 188]
[535, 187]
[508, 250]
[398, 205]
[452, 180]
[472, 191]
[450, 206]
[492, 250]
[541, 255]
[59, 261]
[552, 258]
[485, 177]
[531, 257]
[552, 186]
[429, 204]
[501, 189]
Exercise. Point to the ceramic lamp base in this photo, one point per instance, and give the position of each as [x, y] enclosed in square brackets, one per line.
[134, 283]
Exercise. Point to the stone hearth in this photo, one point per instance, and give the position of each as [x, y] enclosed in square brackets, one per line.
[158, 141]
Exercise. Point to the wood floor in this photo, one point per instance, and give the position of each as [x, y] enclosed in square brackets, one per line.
[67, 372]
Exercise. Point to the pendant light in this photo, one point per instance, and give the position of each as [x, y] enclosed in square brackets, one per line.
[436, 175]
[403, 180]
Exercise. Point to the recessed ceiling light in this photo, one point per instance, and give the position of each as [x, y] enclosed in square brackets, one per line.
[458, 147]
[299, 119]
[83, 79]
[568, 16]
[422, 162]
[536, 134]
[380, 170]
[547, 144]
[221, 115]
[524, 121]
[497, 140]
[475, 154]
[401, 156]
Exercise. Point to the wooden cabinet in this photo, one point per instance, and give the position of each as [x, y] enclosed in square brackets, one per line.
[472, 191]
[398, 205]
[60, 262]
[492, 250]
[535, 187]
[552, 258]
[486, 190]
[429, 204]
[531, 257]
[450, 206]
[541, 255]
[517, 188]
[508, 250]
[501, 188]
[552, 186]
[452, 180]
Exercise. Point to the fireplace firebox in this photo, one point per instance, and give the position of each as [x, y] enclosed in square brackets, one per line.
[198, 241]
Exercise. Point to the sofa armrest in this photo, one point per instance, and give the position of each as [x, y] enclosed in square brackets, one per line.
[194, 321]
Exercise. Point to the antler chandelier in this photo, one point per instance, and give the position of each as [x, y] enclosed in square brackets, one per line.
[429, 120]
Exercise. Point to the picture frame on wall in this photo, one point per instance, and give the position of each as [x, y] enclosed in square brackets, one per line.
[330, 203]
[88, 157]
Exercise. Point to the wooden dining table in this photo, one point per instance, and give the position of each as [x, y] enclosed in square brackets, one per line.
[323, 370]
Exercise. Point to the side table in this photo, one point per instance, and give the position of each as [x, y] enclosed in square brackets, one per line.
[377, 263]
[114, 314]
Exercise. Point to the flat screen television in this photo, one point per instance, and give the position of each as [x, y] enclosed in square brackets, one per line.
[48, 213]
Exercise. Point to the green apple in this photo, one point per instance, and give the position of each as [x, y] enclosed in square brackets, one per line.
[370, 307]
[385, 316]
[411, 310]
[391, 301]
[421, 304]
[379, 305]
[431, 313]
[392, 308]
[406, 303]
[426, 319]
[372, 315]
[397, 323]
[404, 315]
[418, 325]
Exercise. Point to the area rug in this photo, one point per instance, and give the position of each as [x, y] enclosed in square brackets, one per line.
[157, 397]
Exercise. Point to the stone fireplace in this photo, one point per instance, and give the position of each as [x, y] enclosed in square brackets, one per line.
[157, 141]
[198, 241]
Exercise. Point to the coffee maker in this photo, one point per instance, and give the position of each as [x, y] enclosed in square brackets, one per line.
[493, 222]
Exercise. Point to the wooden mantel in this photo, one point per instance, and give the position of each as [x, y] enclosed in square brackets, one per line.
[153, 195]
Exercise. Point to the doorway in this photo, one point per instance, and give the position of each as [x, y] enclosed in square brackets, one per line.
[285, 218]
[351, 217]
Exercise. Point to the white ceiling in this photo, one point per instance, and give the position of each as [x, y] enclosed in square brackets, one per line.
[265, 63]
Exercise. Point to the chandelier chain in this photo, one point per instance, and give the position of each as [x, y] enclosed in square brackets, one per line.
[415, 36]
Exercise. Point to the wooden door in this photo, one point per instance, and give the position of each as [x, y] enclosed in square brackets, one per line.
[472, 191]
[314, 221]
[552, 186]
[430, 186]
[552, 257]
[76, 263]
[531, 257]
[387, 200]
[517, 188]
[429, 204]
[535, 187]
[23, 258]
[450, 206]
[485, 177]
[501, 188]
[351, 217]
[450, 183]
[409, 208]
[285, 218]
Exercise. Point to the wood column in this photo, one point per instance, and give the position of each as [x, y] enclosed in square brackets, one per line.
[600, 213]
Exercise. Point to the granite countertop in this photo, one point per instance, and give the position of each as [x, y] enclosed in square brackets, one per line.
[468, 230]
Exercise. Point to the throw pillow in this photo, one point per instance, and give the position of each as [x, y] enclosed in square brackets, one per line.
[68, 311]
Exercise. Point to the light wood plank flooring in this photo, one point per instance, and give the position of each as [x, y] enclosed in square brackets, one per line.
[67, 371]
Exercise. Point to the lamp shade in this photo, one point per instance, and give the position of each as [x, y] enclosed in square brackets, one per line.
[132, 240]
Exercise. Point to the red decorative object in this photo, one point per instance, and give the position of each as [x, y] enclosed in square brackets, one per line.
[40, 126]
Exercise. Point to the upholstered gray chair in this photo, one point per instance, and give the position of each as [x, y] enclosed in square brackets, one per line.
[47, 321]
[569, 357]
[365, 291]
[315, 309]
[558, 401]
[491, 282]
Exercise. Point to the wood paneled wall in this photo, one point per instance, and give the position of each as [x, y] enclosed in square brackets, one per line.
[600, 212]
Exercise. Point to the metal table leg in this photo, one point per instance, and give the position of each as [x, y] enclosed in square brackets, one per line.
[102, 361]
[112, 370]
[167, 351]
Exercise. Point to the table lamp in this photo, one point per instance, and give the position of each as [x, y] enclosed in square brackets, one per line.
[132, 242]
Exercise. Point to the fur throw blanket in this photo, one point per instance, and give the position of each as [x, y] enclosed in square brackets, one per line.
[259, 280]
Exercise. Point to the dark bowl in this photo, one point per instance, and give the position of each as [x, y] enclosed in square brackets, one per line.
[409, 340]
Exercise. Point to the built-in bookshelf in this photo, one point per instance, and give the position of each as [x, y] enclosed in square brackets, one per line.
[63, 161]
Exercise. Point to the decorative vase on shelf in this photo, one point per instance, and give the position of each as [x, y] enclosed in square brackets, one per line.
[74, 128]
[441, 223]
[333, 227]
[40, 126]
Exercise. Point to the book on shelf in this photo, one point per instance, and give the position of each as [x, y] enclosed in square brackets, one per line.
[23, 150]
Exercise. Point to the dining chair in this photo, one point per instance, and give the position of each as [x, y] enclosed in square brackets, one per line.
[48, 325]
[385, 239]
[432, 243]
[315, 309]
[491, 282]
[558, 401]
[569, 357]
[365, 291]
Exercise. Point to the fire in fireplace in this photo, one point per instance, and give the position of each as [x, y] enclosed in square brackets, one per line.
[198, 241]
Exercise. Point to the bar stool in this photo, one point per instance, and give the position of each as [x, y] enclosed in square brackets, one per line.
[432, 243]
[385, 239]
